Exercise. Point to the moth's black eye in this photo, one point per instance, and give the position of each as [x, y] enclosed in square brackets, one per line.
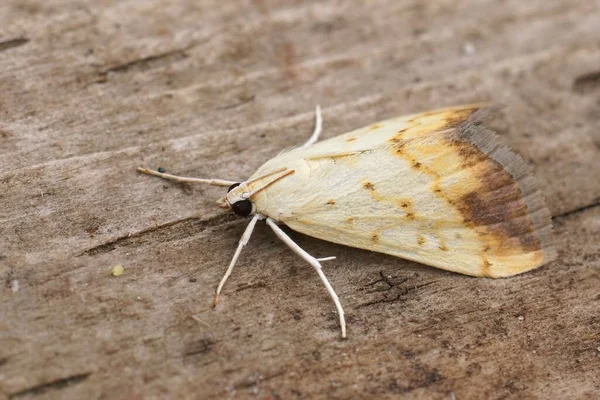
[233, 186]
[243, 208]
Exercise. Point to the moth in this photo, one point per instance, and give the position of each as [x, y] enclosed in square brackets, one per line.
[436, 187]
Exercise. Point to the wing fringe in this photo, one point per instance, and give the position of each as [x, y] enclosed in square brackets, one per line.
[476, 133]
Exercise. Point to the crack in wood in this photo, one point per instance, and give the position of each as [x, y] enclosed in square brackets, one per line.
[387, 280]
[587, 82]
[11, 44]
[258, 379]
[145, 62]
[184, 228]
[202, 346]
[577, 210]
[240, 103]
[56, 384]
[398, 297]
[241, 288]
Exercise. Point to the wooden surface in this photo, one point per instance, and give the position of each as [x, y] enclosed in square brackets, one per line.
[91, 89]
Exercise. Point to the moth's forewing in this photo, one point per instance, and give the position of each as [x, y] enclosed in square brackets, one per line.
[436, 187]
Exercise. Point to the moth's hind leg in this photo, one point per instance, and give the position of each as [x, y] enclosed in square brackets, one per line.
[183, 179]
[318, 128]
[317, 266]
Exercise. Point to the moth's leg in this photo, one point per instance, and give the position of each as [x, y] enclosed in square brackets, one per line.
[243, 241]
[317, 266]
[318, 128]
[326, 258]
[183, 179]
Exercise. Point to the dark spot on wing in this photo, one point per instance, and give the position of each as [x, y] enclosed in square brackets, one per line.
[486, 268]
[499, 207]
[375, 238]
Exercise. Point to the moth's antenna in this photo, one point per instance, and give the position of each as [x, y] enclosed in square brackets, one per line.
[266, 174]
[183, 179]
[248, 195]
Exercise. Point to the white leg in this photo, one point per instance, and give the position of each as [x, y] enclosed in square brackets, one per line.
[183, 179]
[317, 266]
[243, 241]
[326, 258]
[318, 128]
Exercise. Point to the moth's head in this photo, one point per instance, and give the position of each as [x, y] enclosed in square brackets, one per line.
[237, 200]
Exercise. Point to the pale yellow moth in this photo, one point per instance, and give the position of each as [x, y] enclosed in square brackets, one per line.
[435, 187]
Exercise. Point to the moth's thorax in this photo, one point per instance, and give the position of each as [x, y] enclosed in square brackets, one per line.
[274, 200]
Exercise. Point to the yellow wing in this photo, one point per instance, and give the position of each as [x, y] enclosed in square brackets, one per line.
[436, 188]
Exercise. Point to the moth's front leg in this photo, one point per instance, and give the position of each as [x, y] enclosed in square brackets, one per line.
[243, 242]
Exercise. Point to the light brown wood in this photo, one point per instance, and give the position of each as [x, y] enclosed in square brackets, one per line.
[91, 90]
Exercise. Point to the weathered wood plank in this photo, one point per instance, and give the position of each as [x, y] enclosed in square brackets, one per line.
[90, 90]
